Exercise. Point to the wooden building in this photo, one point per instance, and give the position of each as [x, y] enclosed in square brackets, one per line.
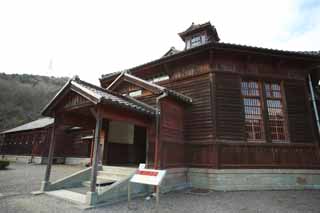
[216, 115]
[30, 143]
[251, 107]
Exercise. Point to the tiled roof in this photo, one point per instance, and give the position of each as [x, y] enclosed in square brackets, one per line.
[223, 45]
[100, 95]
[107, 96]
[164, 89]
[108, 75]
[37, 124]
[171, 51]
[195, 28]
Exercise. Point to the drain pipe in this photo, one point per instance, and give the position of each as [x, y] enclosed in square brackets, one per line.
[315, 109]
[158, 114]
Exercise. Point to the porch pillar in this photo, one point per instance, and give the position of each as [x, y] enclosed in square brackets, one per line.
[95, 154]
[45, 184]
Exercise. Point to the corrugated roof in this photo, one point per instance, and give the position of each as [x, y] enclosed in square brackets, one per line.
[37, 124]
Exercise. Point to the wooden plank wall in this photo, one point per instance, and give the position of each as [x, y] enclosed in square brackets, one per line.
[27, 143]
[268, 155]
[214, 131]
[299, 114]
[172, 143]
[233, 149]
[229, 106]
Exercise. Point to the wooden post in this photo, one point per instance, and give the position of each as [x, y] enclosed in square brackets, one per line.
[91, 148]
[95, 153]
[46, 182]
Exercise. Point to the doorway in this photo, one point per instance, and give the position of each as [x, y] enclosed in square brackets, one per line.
[125, 144]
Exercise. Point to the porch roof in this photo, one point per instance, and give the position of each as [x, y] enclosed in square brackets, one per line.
[99, 95]
[149, 86]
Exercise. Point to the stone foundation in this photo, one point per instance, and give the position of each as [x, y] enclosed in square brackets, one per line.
[31, 159]
[254, 179]
[175, 179]
[76, 161]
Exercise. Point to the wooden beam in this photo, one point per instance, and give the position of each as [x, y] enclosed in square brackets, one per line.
[116, 82]
[142, 84]
[96, 153]
[116, 114]
[46, 181]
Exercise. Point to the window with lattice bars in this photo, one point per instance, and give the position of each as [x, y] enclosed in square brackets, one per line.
[253, 104]
[275, 111]
[253, 110]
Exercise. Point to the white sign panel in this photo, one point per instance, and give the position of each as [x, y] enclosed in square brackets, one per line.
[148, 176]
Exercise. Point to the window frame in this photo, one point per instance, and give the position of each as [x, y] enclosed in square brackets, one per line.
[260, 98]
[282, 100]
[267, 135]
[195, 43]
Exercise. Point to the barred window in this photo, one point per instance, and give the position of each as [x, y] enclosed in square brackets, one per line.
[253, 105]
[275, 111]
[253, 111]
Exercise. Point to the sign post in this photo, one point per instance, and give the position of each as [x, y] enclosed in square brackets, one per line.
[148, 177]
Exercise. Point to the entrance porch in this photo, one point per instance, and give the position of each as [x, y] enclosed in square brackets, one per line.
[122, 129]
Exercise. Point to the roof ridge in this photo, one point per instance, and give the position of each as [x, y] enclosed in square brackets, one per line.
[138, 102]
[101, 88]
[211, 44]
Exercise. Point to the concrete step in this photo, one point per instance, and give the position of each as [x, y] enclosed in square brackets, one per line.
[80, 189]
[112, 176]
[69, 195]
[119, 169]
[100, 182]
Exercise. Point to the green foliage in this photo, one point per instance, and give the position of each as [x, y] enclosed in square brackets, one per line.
[23, 96]
[4, 164]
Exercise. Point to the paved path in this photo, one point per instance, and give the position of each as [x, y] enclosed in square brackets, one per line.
[17, 183]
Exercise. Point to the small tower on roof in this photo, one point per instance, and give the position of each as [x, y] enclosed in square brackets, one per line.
[199, 34]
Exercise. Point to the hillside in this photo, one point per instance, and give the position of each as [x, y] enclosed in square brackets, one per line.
[23, 96]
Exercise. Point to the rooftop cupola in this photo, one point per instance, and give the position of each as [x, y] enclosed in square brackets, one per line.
[199, 34]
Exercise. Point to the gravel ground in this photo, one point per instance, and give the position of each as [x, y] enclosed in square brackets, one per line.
[19, 180]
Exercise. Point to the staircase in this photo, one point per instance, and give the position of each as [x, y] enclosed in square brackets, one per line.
[111, 174]
[111, 184]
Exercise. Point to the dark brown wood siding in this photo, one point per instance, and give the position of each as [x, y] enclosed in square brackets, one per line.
[298, 108]
[172, 143]
[229, 106]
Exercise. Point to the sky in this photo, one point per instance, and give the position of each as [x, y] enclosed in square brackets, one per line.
[91, 38]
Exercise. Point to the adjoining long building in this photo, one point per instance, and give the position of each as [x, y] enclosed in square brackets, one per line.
[29, 143]
[216, 115]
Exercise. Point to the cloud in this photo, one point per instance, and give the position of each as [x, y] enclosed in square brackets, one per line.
[304, 29]
[90, 38]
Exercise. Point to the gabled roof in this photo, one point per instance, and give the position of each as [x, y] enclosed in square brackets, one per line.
[37, 124]
[148, 86]
[97, 95]
[195, 28]
[171, 51]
